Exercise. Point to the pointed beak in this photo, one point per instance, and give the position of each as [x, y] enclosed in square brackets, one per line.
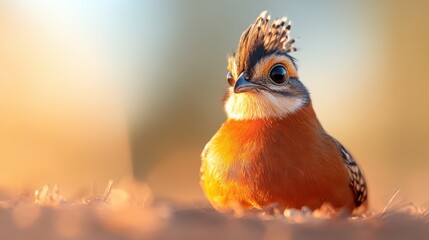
[242, 85]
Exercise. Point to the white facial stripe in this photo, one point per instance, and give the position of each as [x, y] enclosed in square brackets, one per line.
[250, 105]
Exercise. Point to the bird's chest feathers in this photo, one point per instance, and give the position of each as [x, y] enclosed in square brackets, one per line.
[260, 151]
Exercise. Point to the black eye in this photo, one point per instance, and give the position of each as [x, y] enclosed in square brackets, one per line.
[278, 74]
[230, 79]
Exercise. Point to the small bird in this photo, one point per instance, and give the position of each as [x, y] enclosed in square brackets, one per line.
[272, 149]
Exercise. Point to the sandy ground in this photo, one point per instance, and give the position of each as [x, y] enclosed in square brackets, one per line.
[131, 212]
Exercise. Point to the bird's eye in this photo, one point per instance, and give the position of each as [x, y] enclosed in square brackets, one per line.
[278, 74]
[230, 79]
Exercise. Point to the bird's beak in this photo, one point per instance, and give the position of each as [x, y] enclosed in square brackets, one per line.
[242, 85]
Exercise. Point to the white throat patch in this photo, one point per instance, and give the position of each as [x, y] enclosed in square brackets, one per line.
[251, 105]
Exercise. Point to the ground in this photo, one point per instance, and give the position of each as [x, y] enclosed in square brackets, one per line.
[131, 212]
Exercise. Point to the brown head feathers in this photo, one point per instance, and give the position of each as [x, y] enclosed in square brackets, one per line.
[262, 38]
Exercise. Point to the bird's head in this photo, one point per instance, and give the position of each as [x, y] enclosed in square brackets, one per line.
[263, 79]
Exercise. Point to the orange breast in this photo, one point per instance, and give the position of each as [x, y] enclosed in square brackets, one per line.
[288, 161]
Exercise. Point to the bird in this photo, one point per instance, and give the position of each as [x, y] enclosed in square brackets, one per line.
[272, 149]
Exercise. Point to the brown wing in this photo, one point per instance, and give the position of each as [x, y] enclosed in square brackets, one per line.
[357, 180]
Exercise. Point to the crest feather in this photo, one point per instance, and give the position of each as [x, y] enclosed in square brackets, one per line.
[262, 38]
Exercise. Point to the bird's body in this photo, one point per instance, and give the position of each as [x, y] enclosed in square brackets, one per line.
[272, 148]
[290, 161]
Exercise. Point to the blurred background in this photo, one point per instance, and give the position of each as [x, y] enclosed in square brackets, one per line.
[98, 90]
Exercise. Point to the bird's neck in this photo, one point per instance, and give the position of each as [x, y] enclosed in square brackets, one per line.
[261, 105]
[302, 120]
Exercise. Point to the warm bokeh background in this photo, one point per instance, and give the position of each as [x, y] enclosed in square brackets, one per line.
[98, 90]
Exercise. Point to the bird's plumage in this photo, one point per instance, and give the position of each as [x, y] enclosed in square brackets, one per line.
[272, 148]
[357, 180]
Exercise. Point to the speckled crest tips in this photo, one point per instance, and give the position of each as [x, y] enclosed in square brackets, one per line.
[263, 37]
